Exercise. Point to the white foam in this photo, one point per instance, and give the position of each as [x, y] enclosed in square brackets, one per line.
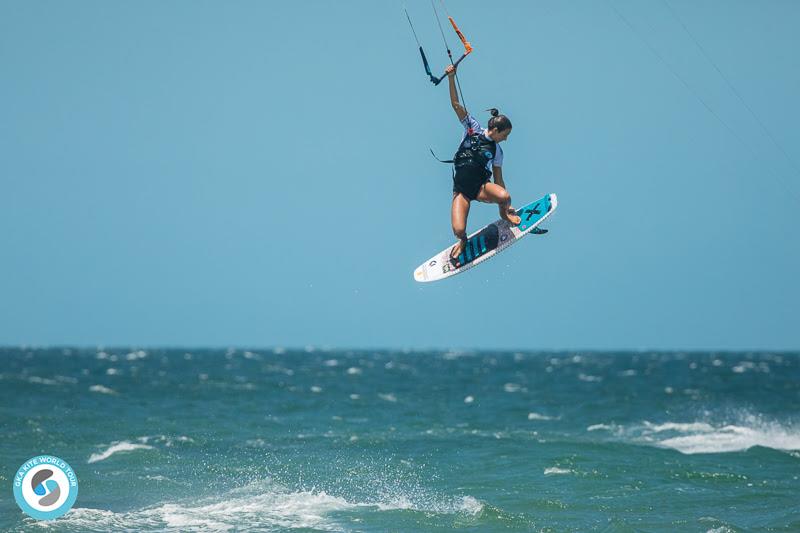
[681, 427]
[537, 416]
[42, 381]
[465, 504]
[704, 436]
[554, 470]
[745, 366]
[123, 446]
[181, 438]
[102, 390]
[596, 427]
[133, 356]
[258, 506]
[720, 529]
[734, 439]
[471, 505]
[455, 354]
[164, 439]
[156, 478]
[273, 508]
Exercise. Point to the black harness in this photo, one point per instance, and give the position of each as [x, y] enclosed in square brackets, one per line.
[474, 154]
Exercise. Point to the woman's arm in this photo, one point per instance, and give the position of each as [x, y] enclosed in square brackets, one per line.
[457, 107]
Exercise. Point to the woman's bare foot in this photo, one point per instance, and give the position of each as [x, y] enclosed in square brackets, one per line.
[509, 214]
[457, 250]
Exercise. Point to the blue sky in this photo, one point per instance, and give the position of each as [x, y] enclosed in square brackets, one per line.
[257, 174]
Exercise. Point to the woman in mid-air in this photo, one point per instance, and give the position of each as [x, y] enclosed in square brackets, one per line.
[478, 158]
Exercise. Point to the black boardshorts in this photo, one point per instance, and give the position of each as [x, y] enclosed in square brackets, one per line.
[469, 181]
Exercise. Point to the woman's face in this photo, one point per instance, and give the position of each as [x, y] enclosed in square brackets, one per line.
[499, 136]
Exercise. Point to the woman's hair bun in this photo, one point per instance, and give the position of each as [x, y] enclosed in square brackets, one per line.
[501, 122]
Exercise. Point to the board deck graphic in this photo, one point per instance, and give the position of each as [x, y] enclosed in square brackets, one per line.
[487, 242]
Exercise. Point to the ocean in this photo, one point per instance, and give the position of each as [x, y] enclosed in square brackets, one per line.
[327, 440]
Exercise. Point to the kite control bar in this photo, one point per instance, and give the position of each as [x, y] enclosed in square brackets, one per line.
[464, 41]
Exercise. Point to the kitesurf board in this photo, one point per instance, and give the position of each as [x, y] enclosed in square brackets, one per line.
[487, 242]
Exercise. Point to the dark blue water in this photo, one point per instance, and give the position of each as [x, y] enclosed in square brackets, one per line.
[260, 440]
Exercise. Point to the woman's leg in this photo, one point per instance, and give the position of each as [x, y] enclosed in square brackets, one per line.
[458, 218]
[494, 194]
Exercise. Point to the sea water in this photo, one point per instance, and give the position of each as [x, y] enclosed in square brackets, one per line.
[316, 440]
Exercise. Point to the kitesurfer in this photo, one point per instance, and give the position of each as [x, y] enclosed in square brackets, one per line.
[478, 158]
